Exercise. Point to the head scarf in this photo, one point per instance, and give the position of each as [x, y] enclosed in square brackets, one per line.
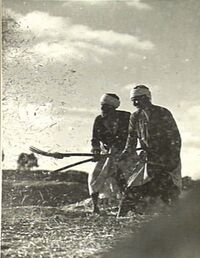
[139, 91]
[110, 99]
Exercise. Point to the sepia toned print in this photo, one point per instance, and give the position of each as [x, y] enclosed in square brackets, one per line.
[67, 64]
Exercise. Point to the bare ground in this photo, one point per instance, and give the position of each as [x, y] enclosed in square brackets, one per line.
[52, 232]
[66, 228]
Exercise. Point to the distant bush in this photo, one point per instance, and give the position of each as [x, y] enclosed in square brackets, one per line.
[27, 161]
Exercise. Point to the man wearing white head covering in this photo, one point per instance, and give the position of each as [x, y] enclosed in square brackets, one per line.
[110, 131]
[156, 130]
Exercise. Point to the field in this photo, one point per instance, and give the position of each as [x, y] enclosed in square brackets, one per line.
[51, 217]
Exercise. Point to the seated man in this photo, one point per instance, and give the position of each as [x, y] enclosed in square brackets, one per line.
[110, 132]
[156, 130]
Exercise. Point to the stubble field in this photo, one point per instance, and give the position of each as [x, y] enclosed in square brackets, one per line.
[51, 217]
[44, 217]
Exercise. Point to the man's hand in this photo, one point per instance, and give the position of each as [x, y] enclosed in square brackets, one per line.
[96, 153]
[58, 155]
[143, 156]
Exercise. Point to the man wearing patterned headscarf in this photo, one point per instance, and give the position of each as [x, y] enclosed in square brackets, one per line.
[110, 131]
[156, 130]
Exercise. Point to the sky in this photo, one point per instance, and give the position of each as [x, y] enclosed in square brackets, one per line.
[66, 54]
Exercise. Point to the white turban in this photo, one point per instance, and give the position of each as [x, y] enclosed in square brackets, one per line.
[139, 91]
[110, 100]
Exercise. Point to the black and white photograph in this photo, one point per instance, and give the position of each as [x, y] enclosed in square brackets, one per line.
[100, 129]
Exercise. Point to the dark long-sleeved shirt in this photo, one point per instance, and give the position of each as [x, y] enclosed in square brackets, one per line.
[108, 135]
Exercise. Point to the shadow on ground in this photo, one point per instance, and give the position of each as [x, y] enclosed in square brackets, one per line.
[51, 217]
